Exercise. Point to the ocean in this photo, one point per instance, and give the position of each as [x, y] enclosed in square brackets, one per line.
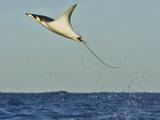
[79, 106]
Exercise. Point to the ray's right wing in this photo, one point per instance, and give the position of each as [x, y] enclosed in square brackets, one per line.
[68, 13]
[62, 25]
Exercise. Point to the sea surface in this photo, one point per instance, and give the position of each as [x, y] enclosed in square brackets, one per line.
[79, 106]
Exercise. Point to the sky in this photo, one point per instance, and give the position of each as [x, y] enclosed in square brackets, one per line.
[123, 33]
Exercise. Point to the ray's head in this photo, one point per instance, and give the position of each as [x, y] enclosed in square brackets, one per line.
[40, 18]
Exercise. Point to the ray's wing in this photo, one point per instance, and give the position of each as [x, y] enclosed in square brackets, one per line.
[62, 25]
[65, 18]
[67, 14]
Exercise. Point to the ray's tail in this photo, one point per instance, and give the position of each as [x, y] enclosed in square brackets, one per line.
[86, 45]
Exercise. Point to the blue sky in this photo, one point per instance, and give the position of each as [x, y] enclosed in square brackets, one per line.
[122, 32]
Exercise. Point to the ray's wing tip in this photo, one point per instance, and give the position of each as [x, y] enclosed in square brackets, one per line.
[27, 13]
[75, 5]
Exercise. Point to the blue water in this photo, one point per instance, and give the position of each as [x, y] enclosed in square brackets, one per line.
[79, 106]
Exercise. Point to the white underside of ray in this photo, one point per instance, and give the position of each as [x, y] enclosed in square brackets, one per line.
[62, 25]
